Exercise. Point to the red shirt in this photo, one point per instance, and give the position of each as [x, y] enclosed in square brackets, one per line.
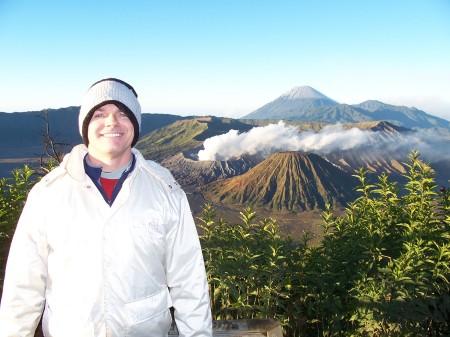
[108, 186]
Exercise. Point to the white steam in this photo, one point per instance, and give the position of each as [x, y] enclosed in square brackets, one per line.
[278, 137]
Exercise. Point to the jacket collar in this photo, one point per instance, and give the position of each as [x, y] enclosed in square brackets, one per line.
[72, 165]
[155, 169]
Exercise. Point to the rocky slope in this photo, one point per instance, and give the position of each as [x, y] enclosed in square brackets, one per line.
[286, 181]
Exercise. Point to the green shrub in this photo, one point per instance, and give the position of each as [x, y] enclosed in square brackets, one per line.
[382, 269]
[13, 194]
[252, 271]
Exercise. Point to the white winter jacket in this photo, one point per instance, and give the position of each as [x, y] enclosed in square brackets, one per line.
[97, 270]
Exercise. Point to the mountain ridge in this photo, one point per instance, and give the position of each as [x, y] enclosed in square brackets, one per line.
[305, 103]
[405, 116]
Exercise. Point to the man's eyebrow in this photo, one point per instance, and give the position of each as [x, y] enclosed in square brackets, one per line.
[102, 108]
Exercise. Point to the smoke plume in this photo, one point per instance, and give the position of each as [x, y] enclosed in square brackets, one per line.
[272, 138]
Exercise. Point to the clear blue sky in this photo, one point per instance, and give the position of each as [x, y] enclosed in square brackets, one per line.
[225, 58]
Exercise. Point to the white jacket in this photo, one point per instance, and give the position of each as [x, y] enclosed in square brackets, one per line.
[97, 270]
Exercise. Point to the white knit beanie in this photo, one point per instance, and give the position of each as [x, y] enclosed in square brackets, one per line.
[106, 91]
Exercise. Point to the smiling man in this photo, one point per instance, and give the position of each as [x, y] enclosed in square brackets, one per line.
[106, 244]
[111, 133]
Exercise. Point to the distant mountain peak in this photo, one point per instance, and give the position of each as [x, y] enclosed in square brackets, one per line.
[294, 104]
[303, 92]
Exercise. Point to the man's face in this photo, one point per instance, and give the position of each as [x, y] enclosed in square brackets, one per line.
[110, 133]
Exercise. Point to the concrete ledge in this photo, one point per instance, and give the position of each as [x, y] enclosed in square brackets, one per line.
[243, 328]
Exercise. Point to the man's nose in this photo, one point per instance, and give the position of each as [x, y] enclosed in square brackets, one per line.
[111, 119]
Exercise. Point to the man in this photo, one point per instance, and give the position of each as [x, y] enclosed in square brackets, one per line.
[106, 243]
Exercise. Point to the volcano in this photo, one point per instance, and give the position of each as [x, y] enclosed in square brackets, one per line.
[292, 181]
[296, 104]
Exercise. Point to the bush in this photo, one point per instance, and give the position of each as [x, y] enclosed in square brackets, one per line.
[13, 194]
[252, 271]
[380, 270]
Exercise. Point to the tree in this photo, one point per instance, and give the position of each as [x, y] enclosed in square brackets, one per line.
[53, 148]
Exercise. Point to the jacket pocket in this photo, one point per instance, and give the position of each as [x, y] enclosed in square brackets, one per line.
[64, 322]
[149, 316]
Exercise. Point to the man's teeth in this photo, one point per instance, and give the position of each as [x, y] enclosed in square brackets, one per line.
[110, 135]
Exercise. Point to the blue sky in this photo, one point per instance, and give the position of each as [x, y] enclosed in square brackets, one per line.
[225, 58]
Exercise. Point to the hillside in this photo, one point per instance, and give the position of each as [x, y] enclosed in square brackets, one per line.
[185, 135]
[25, 129]
[191, 172]
[286, 181]
[401, 115]
[388, 149]
[379, 156]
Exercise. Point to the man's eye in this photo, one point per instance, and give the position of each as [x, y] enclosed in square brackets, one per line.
[123, 114]
[98, 115]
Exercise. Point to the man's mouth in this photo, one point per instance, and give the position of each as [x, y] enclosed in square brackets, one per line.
[111, 135]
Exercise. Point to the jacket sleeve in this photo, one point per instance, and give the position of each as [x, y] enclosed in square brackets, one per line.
[186, 276]
[23, 295]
